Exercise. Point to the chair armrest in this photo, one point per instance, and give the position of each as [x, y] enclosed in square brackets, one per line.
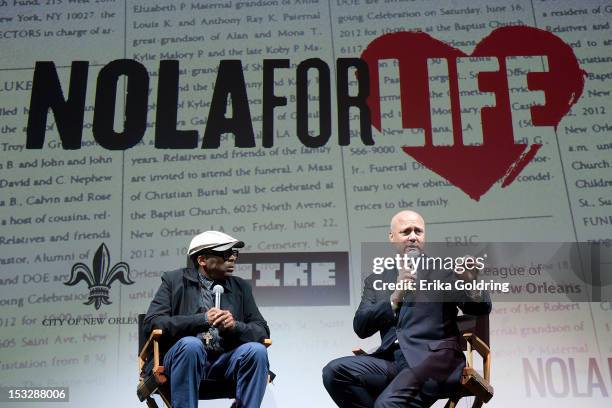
[475, 342]
[153, 339]
[477, 385]
[267, 342]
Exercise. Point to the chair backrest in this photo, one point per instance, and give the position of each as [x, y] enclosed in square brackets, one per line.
[141, 334]
[479, 325]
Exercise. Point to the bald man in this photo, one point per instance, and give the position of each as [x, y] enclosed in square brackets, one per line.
[420, 358]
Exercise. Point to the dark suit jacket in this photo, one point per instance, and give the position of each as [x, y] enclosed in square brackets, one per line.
[426, 330]
[175, 310]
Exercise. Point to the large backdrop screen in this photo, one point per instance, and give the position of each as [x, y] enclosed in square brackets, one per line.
[300, 127]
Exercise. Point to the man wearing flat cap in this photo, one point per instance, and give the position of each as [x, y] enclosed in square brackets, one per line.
[202, 341]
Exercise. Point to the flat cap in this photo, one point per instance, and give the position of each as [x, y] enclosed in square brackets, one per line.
[213, 241]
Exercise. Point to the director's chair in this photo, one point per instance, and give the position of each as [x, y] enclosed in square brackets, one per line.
[157, 383]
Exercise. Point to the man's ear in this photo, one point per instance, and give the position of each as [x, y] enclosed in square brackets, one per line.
[201, 260]
[390, 236]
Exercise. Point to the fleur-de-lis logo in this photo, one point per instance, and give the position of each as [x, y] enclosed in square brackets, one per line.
[100, 277]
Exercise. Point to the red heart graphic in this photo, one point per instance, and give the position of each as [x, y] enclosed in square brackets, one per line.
[474, 169]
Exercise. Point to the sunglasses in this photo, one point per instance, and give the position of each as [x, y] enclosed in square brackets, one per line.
[227, 254]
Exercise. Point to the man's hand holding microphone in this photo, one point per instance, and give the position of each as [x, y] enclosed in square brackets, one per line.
[406, 279]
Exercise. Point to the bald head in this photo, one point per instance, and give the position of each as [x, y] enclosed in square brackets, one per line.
[407, 231]
[406, 215]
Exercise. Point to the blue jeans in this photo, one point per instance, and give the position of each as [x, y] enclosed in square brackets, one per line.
[186, 364]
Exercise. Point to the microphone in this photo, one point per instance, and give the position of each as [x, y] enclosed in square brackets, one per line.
[218, 290]
[413, 254]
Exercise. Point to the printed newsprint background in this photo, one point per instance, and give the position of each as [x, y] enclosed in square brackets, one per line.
[57, 207]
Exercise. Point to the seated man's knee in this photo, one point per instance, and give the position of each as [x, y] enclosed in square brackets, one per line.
[330, 372]
[191, 346]
[256, 352]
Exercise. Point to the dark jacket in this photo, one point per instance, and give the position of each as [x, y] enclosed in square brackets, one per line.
[175, 310]
[421, 327]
